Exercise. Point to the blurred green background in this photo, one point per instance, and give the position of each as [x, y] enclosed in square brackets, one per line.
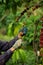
[10, 10]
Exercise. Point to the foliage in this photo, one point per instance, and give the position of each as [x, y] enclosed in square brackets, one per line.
[22, 57]
[10, 10]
